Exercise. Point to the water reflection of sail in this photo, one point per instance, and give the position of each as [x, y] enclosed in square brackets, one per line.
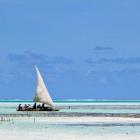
[42, 95]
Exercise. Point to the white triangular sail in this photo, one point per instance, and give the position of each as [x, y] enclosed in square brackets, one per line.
[42, 94]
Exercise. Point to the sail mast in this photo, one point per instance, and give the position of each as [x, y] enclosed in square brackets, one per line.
[42, 94]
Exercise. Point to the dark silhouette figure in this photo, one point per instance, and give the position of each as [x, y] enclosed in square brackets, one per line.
[19, 106]
[39, 107]
[43, 106]
[34, 106]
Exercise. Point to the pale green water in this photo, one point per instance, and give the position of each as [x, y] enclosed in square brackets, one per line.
[42, 129]
[9, 107]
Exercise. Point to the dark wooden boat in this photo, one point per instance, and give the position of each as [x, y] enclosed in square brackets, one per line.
[31, 109]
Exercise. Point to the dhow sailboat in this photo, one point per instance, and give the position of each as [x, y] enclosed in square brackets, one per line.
[41, 96]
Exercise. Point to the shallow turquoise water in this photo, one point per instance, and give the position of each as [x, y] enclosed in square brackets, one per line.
[80, 101]
[25, 128]
[9, 107]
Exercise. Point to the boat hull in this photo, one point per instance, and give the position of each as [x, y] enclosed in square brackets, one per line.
[30, 109]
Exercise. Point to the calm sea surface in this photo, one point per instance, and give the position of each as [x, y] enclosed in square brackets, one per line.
[87, 106]
[71, 128]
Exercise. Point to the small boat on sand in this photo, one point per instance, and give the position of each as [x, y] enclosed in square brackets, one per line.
[41, 96]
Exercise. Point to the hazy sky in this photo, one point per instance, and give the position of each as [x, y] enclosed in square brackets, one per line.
[85, 49]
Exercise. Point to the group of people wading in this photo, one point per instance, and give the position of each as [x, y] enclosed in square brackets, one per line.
[34, 107]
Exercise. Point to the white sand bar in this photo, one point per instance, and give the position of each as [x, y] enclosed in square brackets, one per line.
[81, 120]
[70, 128]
